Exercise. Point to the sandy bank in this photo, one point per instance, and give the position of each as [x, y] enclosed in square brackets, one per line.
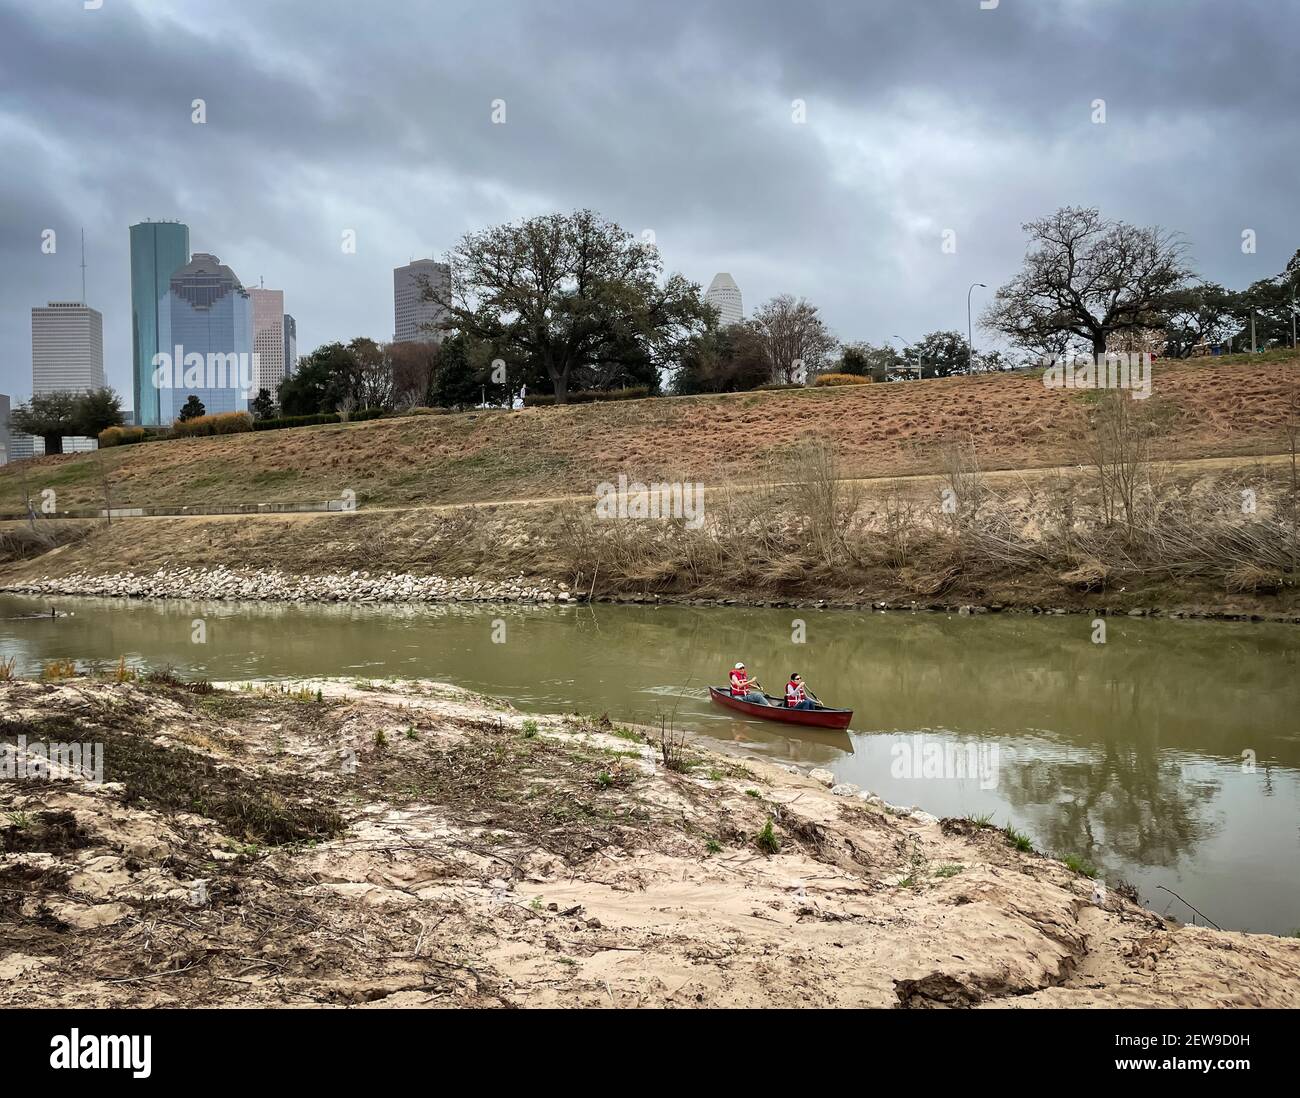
[395, 845]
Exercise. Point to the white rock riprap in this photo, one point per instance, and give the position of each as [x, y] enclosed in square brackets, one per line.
[274, 586]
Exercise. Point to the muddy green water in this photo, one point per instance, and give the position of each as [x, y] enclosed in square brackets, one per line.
[1135, 754]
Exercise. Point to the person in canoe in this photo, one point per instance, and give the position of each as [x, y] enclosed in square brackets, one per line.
[796, 694]
[745, 688]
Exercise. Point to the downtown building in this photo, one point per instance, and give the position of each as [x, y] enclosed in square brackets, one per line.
[269, 340]
[158, 249]
[290, 345]
[67, 356]
[205, 338]
[724, 295]
[414, 318]
[4, 429]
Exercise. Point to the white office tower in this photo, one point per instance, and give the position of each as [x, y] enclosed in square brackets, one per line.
[268, 340]
[724, 295]
[414, 317]
[68, 354]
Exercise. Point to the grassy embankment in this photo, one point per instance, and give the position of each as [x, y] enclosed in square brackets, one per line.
[1158, 520]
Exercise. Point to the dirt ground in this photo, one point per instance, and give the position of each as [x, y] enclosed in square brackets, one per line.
[381, 844]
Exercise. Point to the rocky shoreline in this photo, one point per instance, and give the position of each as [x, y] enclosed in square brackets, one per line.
[222, 583]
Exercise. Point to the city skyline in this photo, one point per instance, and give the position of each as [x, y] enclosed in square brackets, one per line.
[683, 125]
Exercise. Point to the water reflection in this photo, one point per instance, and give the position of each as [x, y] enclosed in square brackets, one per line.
[1129, 753]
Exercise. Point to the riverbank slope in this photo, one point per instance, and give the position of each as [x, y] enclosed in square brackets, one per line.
[331, 843]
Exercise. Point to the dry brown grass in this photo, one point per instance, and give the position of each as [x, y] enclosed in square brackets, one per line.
[1011, 420]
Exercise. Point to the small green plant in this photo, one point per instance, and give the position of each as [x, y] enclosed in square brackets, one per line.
[753, 793]
[604, 779]
[1019, 840]
[411, 733]
[984, 819]
[1080, 865]
[766, 840]
[380, 738]
[530, 728]
[19, 820]
[715, 775]
[715, 847]
[946, 871]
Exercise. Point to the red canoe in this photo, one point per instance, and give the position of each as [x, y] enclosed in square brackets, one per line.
[821, 717]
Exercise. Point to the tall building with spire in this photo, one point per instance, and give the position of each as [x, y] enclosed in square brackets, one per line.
[68, 354]
[724, 295]
[158, 248]
[268, 339]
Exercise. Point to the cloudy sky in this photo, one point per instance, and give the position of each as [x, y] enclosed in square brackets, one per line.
[922, 117]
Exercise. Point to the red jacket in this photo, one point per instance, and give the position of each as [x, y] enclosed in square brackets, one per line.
[794, 693]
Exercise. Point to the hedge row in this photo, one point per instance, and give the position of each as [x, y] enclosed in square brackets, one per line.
[842, 379]
[588, 396]
[122, 436]
[223, 423]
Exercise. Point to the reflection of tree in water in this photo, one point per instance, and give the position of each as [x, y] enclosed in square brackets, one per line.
[1125, 804]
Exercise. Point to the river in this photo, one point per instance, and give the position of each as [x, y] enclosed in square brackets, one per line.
[1168, 756]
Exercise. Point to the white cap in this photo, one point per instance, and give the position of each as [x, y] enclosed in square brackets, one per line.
[740, 667]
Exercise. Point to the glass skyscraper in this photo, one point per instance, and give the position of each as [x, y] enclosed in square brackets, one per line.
[158, 248]
[206, 320]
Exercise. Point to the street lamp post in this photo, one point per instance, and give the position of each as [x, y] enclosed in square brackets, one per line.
[970, 334]
[918, 356]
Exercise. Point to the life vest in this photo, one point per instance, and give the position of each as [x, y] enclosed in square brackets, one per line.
[737, 677]
[794, 693]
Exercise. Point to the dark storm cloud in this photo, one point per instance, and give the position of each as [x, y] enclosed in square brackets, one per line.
[672, 116]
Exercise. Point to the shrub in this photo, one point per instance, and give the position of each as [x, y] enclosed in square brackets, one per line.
[122, 436]
[223, 423]
[842, 379]
[588, 396]
[279, 422]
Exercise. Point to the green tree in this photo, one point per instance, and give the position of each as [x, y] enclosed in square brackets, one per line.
[95, 411]
[191, 409]
[1204, 313]
[50, 416]
[722, 360]
[563, 292]
[323, 379]
[263, 405]
[460, 377]
[941, 354]
[867, 360]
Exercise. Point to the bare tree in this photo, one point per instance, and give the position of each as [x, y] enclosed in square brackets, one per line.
[1084, 278]
[795, 339]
